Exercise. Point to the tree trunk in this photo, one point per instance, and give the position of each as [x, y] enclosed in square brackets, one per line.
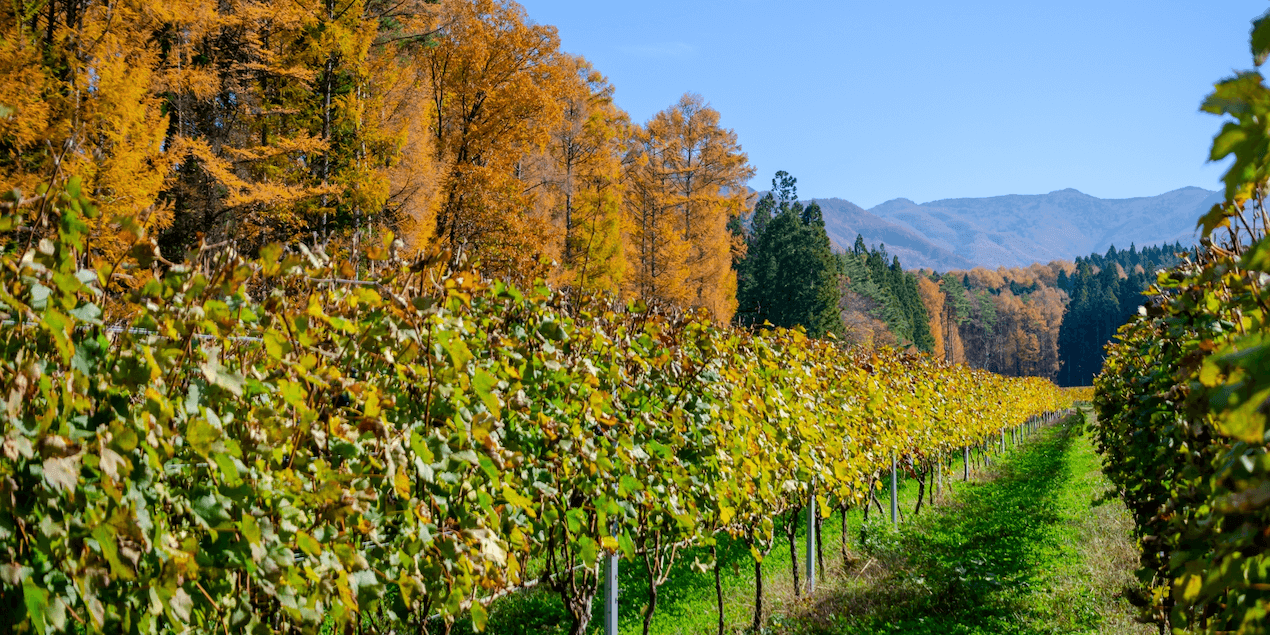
[842, 511]
[758, 596]
[921, 490]
[652, 602]
[820, 546]
[581, 616]
[878, 504]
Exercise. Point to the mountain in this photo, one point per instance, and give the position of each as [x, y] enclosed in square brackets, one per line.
[844, 220]
[1016, 230]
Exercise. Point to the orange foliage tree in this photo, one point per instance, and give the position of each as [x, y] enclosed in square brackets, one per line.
[461, 126]
[687, 177]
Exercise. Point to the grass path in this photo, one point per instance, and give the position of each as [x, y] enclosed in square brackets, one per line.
[1031, 551]
[1024, 548]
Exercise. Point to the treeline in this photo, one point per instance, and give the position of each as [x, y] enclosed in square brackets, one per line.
[1005, 320]
[1050, 320]
[460, 127]
[881, 303]
[1105, 291]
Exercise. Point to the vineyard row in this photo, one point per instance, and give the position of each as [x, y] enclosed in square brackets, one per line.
[227, 446]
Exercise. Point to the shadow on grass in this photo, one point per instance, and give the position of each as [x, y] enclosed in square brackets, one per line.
[967, 570]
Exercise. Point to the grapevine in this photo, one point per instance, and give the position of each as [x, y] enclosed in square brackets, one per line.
[246, 445]
[1182, 398]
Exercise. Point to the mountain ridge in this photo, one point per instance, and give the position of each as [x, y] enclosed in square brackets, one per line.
[1016, 230]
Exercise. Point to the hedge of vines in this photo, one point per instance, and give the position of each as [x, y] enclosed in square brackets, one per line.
[1184, 396]
[251, 445]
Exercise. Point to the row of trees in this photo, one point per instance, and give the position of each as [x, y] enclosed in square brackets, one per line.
[460, 127]
[1049, 320]
[1106, 291]
[1005, 320]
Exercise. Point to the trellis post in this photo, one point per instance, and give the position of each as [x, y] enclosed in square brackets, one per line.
[811, 545]
[895, 493]
[610, 594]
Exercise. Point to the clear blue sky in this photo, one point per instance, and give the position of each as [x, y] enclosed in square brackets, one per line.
[871, 100]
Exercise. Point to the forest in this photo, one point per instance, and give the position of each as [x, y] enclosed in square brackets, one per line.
[459, 128]
[463, 129]
[1049, 320]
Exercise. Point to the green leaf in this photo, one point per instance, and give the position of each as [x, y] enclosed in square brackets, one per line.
[455, 347]
[219, 376]
[210, 508]
[37, 603]
[1261, 39]
[201, 436]
[483, 383]
[1216, 217]
[308, 544]
[87, 312]
[523, 502]
[250, 529]
[104, 534]
[574, 519]
[227, 467]
[480, 617]
[588, 550]
[276, 344]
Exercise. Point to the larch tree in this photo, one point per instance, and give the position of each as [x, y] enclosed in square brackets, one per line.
[281, 118]
[581, 181]
[701, 171]
[933, 299]
[78, 79]
[493, 78]
[657, 248]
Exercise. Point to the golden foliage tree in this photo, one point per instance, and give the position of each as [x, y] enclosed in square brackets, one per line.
[492, 79]
[77, 79]
[461, 125]
[580, 186]
[688, 177]
[933, 299]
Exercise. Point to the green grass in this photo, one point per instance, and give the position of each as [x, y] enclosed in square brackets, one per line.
[686, 603]
[1025, 547]
[1033, 551]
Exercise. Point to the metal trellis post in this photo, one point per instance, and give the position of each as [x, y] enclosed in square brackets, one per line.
[895, 493]
[811, 545]
[610, 594]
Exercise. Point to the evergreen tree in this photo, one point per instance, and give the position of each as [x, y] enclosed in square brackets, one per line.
[1101, 301]
[893, 292]
[789, 276]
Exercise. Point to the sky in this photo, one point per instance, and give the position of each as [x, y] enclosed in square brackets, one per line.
[872, 100]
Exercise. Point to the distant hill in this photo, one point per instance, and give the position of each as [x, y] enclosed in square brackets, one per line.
[1016, 230]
